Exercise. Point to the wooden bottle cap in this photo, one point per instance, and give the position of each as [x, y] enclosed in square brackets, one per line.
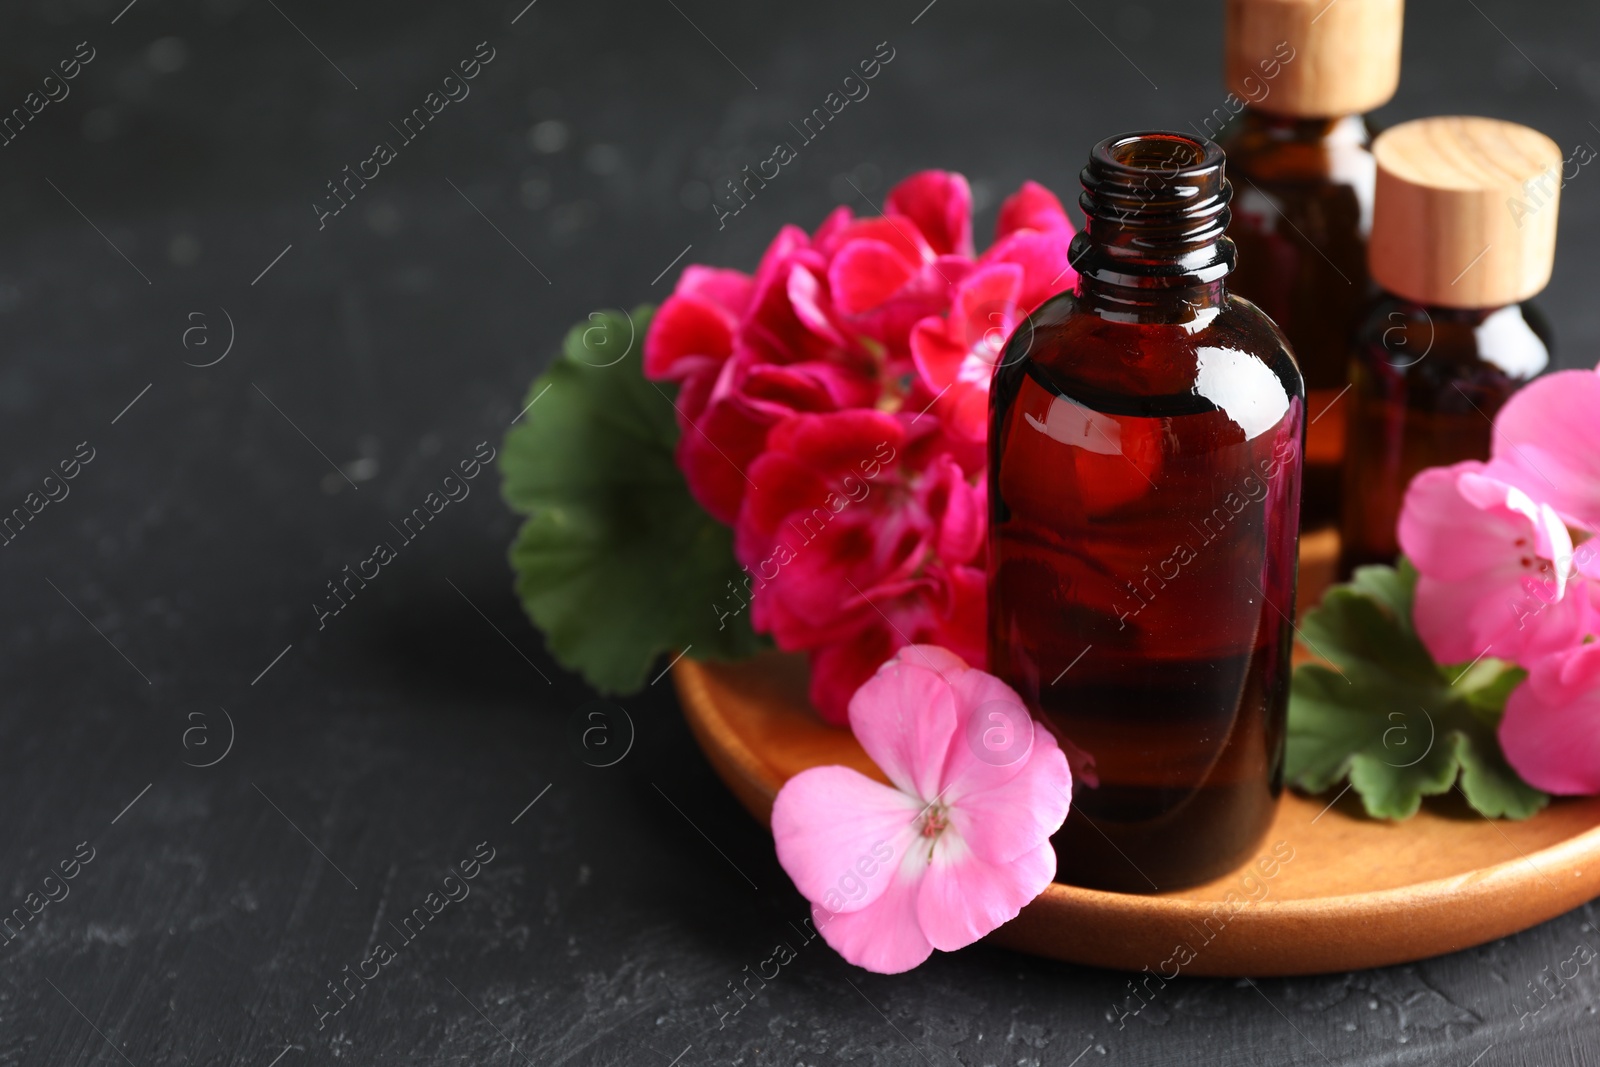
[1464, 214]
[1343, 55]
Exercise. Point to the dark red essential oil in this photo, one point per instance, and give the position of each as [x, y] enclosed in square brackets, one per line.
[1425, 384]
[1146, 439]
[1301, 225]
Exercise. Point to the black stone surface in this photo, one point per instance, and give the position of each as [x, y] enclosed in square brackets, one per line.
[165, 607]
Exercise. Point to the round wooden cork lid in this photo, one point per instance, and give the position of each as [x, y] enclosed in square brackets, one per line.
[1314, 58]
[1465, 211]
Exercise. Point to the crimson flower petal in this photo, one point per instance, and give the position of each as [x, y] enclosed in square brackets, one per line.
[865, 274]
[842, 666]
[1046, 267]
[940, 203]
[728, 289]
[807, 297]
[1032, 207]
[687, 331]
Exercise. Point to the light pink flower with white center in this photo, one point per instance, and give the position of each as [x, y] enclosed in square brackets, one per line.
[1494, 568]
[956, 846]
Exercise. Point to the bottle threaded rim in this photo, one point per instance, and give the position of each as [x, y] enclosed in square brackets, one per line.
[1157, 208]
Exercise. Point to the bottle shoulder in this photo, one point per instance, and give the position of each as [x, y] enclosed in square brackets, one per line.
[1066, 328]
[1230, 357]
[1399, 336]
[1276, 153]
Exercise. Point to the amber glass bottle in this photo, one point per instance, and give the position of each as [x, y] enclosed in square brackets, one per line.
[1300, 160]
[1409, 410]
[1145, 443]
[1301, 223]
[1463, 235]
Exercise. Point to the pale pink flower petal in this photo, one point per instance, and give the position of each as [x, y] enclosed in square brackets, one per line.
[1487, 559]
[905, 717]
[997, 736]
[1003, 822]
[885, 936]
[837, 833]
[1491, 493]
[1586, 558]
[1459, 621]
[1548, 435]
[963, 898]
[1432, 518]
[1551, 729]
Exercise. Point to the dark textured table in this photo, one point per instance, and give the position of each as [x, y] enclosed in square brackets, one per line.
[254, 792]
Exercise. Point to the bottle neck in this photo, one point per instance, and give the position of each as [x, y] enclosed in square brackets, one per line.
[1179, 305]
[1157, 210]
[1337, 130]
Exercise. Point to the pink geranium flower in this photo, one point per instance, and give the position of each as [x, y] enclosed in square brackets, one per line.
[749, 352]
[886, 273]
[956, 354]
[1547, 442]
[959, 842]
[1551, 730]
[822, 326]
[789, 380]
[1494, 568]
[861, 541]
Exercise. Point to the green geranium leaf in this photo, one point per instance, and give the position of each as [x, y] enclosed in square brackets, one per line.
[1393, 587]
[1399, 726]
[616, 563]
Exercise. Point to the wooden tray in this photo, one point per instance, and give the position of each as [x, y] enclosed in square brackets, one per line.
[1357, 893]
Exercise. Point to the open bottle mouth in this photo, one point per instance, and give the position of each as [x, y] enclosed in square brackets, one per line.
[1157, 205]
[1156, 150]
